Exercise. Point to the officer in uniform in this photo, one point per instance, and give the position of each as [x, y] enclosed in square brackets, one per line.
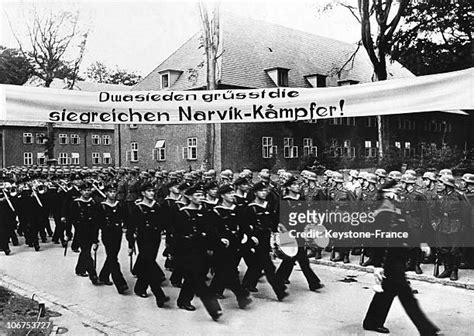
[195, 238]
[392, 276]
[449, 220]
[211, 200]
[429, 190]
[233, 237]
[7, 217]
[368, 202]
[112, 219]
[295, 201]
[263, 221]
[242, 186]
[39, 215]
[147, 225]
[71, 194]
[84, 216]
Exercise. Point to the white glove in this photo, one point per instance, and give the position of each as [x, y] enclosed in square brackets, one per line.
[379, 275]
[95, 246]
[425, 249]
[255, 240]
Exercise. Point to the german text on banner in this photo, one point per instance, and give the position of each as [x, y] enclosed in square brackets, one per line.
[443, 92]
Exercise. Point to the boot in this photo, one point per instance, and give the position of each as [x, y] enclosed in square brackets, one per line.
[446, 273]
[368, 262]
[454, 274]
[418, 269]
[346, 259]
[318, 254]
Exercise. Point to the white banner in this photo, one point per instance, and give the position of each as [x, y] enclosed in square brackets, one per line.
[443, 92]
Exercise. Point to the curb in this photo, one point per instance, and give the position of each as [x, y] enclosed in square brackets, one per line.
[96, 321]
[411, 276]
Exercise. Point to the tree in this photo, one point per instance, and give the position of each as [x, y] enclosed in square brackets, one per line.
[50, 37]
[378, 21]
[14, 67]
[435, 36]
[210, 43]
[100, 73]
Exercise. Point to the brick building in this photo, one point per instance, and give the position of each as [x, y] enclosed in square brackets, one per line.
[256, 54]
[22, 143]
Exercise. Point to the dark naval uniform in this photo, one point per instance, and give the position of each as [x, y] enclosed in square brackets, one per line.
[146, 222]
[112, 219]
[84, 217]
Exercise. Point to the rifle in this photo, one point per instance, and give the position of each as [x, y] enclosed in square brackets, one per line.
[333, 253]
[65, 247]
[131, 260]
[436, 264]
[95, 258]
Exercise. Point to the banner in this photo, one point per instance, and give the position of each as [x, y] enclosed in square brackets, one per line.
[443, 92]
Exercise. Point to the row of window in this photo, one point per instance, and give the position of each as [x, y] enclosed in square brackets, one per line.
[64, 139]
[189, 152]
[66, 158]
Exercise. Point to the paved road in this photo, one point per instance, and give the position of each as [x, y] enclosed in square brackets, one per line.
[338, 309]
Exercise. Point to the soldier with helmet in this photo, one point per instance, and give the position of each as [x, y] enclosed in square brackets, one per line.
[449, 221]
[368, 202]
[468, 244]
[381, 175]
[416, 212]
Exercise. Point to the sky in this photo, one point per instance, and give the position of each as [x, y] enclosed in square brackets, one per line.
[138, 36]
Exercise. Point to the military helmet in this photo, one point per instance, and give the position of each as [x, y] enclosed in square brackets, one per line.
[312, 176]
[430, 176]
[354, 173]
[445, 172]
[408, 178]
[448, 180]
[468, 178]
[410, 172]
[380, 172]
[395, 175]
[371, 178]
[363, 175]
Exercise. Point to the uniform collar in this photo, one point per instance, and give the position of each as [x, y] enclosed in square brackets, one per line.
[225, 208]
[148, 205]
[80, 199]
[288, 197]
[110, 205]
[187, 207]
[264, 205]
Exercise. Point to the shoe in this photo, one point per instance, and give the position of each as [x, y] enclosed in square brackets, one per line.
[252, 289]
[7, 251]
[338, 259]
[187, 306]
[215, 316]
[282, 295]
[368, 262]
[454, 275]
[106, 282]
[446, 273]
[318, 255]
[122, 290]
[381, 330]
[37, 248]
[346, 259]
[83, 274]
[161, 302]
[142, 295]
[95, 280]
[418, 269]
[315, 287]
[244, 301]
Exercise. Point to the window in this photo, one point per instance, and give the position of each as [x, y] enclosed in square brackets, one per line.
[95, 139]
[267, 143]
[290, 151]
[159, 152]
[191, 149]
[347, 143]
[132, 154]
[370, 121]
[106, 140]
[63, 159]
[308, 148]
[407, 150]
[398, 145]
[63, 139]
[282, 77]
[350, 121]
[40, 159]
[75, 158]
[320, 81]
[27, 138]
[107, 158]
[165, 81]
[369, 150]
[41, 138]
[75, 139]
[27, 158]
[95, 158]
[406, 124]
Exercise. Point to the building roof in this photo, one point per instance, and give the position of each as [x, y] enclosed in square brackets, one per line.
[250, 46]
